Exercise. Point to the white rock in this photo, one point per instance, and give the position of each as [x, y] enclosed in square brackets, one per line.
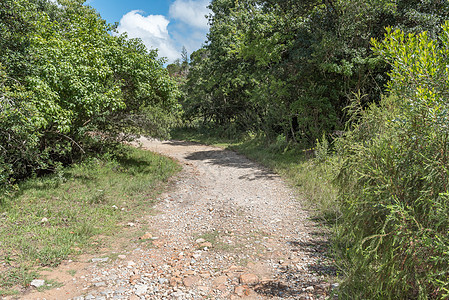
[141, 290]
[102, 259]
[37, 283]
[44, 220]
[98, 284]
[163, 280]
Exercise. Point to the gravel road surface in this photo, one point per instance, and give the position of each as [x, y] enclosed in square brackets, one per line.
[226, 229]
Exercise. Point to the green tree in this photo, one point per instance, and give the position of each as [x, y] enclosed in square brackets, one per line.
[289, 67]
[67, 86]
[184, 56]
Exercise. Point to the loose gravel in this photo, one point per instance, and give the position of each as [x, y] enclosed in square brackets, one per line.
[227, 229]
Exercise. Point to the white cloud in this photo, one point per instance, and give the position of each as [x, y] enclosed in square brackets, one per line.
[191, 12]
[186, 26]
[152, 30]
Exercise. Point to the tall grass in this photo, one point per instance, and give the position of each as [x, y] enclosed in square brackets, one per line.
[395, 177]
[393, 198]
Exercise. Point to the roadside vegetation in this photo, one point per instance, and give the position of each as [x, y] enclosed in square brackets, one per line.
[348, 100]
[72, 91]
[56, 217]
[69, 88]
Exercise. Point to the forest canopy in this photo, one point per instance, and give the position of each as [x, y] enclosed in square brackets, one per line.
[291, 67]
[69, 85]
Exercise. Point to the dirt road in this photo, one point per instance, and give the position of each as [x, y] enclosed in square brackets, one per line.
[227, 229]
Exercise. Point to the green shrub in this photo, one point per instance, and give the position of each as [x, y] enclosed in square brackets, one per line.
[68, 87]
[394, 179]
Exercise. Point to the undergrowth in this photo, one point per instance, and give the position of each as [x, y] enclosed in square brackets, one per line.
[393, 182]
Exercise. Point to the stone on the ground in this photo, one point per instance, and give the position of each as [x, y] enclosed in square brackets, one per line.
[158, 243]
[203, 289]
[131, 264]
[101, 259]
[37, 283]
[189, 272]
[163, 280]
[249, 279]
[133, 279]
[220, 280]
[140, 290]
[190, 281]
[206, 245]
[174, 281]
[310, 289]
[240, 290]
[205, 274]
[335, 285]
[101, 283]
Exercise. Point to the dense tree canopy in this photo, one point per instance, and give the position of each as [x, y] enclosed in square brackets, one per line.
[291, 67]
[67, 85]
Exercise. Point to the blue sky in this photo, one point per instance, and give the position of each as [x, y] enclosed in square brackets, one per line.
[163, 24]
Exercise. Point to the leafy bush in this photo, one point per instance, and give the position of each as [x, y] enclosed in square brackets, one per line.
[67, 87]
[394, 179]
[288, 67]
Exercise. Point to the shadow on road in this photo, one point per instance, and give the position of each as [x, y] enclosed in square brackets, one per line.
[317, 249]
[227, 158]
[181, 143]
[295, 282]
[277, 289]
